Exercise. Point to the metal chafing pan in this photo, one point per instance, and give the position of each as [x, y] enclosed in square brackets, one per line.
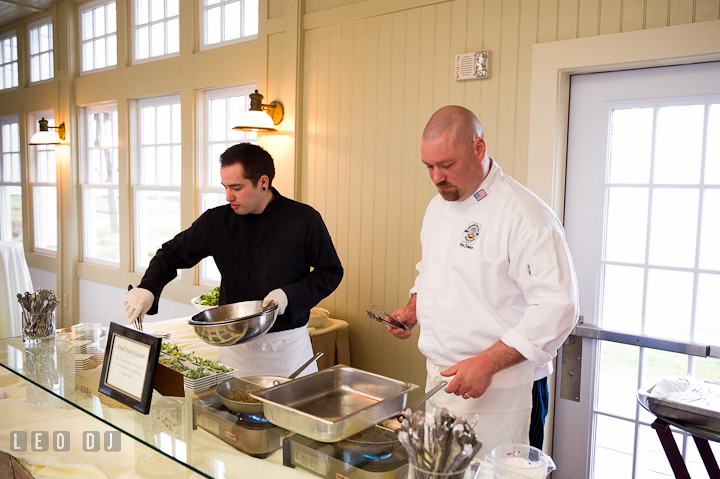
[335, 403]
[684, 413]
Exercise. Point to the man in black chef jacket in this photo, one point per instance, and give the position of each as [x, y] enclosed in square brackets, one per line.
[265, 246]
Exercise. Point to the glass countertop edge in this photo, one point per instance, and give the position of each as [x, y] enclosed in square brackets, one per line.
[93, 415]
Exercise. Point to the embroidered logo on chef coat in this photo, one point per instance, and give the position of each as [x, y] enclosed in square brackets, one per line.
[471, 233]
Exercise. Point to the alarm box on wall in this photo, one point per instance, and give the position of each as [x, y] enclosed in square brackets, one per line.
[470, 66]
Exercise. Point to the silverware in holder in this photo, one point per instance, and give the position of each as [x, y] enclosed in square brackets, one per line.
[38, 315]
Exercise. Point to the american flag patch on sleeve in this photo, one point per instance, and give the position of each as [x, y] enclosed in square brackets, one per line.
[480, 195]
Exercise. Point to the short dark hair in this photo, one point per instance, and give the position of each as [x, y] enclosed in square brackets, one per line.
[255, 161]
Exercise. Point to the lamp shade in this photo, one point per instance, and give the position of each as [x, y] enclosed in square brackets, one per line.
[253, 120]
[45, 138]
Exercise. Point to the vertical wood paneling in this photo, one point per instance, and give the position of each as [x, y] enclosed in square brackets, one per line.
[681, 12]
[633, 15]
[547, 21]
[706, 10]
[527, 35]
[488, 111]
[588, 13]
[610, 14]
[370, 86]
[656, 13]
[507, 82]
[567, 19]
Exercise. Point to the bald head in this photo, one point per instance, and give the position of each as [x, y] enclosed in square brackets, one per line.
[460, 123]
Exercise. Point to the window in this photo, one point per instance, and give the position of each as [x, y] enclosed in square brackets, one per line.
[157, 31]
[100, 194]
[8, 61]
[222, 109]
[157, 173]
[228, 21]
[10, 185]
[99, 36]
[42, 65]
[44, 191]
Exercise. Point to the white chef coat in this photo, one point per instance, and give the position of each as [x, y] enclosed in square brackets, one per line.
[495, 267]
[273, 354]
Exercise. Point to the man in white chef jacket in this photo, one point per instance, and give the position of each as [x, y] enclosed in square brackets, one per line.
[496, 294]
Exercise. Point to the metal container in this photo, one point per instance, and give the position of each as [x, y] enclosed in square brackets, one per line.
[335, 403]
[683, 413]
[234, 323]
[225, 391]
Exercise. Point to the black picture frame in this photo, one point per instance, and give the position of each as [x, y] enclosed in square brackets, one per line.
[146, 342]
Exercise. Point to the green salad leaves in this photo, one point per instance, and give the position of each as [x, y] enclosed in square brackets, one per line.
[210, 299]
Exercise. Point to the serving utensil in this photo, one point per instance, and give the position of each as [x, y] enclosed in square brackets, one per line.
[397, 324]
[138, 320]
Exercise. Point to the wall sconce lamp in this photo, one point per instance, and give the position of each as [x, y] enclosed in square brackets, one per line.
[261, 117]
[47, 137]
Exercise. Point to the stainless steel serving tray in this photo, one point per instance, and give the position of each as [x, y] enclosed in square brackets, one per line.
[684, 413]
[334, 403]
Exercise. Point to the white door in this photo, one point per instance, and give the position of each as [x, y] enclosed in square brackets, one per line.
[642, 215]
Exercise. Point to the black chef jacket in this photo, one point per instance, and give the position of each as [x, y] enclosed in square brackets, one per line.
[256, 253]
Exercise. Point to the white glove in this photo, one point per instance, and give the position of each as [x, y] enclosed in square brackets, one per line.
[279, 296]
[138, 301]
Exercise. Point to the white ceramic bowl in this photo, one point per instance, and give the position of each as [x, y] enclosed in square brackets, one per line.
[201, 307]
[318, 316]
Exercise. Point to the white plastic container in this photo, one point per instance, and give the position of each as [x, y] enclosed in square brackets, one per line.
[519, 461]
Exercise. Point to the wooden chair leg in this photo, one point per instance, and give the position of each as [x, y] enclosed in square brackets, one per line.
[677, 463]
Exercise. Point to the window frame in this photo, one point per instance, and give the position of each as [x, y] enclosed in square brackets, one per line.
[137, 165]
[203, 185]
[4, 236]
[203, 45]
[86, 185]
[10, 34]
[33, 126]
[34, 26]
[91, 6]
[136, 27]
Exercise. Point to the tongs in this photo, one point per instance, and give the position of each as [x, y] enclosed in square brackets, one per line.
[397, 324]
[138, 320]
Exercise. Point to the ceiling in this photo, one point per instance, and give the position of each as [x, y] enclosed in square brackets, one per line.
[13, 10]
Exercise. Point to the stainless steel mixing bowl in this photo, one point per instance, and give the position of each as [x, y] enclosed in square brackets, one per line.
[234, 323]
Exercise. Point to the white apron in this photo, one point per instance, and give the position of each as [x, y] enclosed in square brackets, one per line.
[273, 354]
[492, 428]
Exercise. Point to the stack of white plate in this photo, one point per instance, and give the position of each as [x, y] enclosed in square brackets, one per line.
[210, 381]
[83, 362]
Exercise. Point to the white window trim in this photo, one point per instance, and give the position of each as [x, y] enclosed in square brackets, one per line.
[30, 27]
[205, 46]
[32, 156]
[135, 45]
[85, 8]
[84, 185]
[10, 34]
[137, 188]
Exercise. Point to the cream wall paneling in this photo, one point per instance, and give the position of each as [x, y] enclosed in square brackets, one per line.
[372, 74]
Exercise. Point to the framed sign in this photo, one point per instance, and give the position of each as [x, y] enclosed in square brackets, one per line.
[130, 366]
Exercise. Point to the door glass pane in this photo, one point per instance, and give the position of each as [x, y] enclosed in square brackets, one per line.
[673, 227]
[679, 135]
[707, 369]
[669, 304]
[712, 153]
[622, 298]
[627, 214]
[657, 364]
[617, 380]
[710, 231]
[613, 448]
[630, 145]
[694, 463]
[652, 462]
[707, 312]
